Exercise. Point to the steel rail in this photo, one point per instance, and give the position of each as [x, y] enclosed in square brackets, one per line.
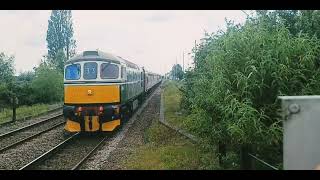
[29, 126]
[86, 157]
[50, 152]
[30, 137]
[263, 162]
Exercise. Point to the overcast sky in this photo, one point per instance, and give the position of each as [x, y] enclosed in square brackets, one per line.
[153, 39]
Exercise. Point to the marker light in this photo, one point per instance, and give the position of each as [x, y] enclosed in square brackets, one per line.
[79, 109]
[101, 108]
[116, 110]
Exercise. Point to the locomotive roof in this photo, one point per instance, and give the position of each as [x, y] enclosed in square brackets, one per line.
[99, 55]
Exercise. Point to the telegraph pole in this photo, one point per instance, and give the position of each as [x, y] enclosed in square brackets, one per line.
[183, 61]
[175, 69]
[195, 49]
[245, 13]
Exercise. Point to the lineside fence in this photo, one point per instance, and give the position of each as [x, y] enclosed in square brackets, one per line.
[52, 108]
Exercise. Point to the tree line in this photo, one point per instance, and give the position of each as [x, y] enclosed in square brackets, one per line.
[231, 93]
[43, 84]
[176, 72]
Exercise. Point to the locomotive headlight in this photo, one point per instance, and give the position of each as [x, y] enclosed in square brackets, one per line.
[78, 111]
[101, 108]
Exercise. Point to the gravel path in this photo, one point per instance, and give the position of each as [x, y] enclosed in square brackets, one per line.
[124, 142]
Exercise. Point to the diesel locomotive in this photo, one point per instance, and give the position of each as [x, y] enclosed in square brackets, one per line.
[101, 90]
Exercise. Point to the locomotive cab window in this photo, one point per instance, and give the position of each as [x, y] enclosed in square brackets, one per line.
[109, 71]
[72, 72]
[90, 70]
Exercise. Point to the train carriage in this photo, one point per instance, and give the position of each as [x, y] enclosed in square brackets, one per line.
[102, 90]
[151, 80]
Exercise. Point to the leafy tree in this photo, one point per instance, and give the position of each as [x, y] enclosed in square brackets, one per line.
[296, 21]
[25, 92]
[6, 78]
[4, 99]
[60, 37]
[232, 92]
[27, 76]
[6, 68]
[177, 72]
[57, 62]
[8, 90]
[47, 85]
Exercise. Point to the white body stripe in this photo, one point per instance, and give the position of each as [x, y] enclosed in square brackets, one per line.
[101, 84]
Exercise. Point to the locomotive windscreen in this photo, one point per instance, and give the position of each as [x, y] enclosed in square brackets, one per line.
[90, 70]
[109, 71]
[72, 72]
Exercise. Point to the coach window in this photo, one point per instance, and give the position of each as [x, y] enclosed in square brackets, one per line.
[132, 76]
[109, 71]
[90, 70]
[72, 72]
[129, 75]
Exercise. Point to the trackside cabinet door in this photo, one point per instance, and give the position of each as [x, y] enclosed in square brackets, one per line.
[123, 93]
[301, 123]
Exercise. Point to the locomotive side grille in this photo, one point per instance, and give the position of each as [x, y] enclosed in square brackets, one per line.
[90, 53]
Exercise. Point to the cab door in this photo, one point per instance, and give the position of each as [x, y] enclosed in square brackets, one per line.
[123, 88]
[144, 80]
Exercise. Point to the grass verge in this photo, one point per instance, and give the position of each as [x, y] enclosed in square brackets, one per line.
[24, 111]
[165, 148]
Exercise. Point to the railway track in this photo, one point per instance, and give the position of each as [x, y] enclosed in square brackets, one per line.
[72, 152]
[18, 136]
[67, 155]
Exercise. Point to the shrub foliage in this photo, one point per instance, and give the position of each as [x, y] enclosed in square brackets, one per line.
[231, 93]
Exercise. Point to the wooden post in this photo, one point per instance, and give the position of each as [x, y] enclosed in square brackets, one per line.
[195, 49]
[222, 152]
[245, 159]
[183, 61]
[14, 107]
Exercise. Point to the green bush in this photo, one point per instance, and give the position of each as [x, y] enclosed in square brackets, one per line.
[232, 92]
[6, 79]
[47, 85]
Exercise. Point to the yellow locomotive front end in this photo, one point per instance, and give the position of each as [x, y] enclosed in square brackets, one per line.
[92, 107]
[92, 93]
